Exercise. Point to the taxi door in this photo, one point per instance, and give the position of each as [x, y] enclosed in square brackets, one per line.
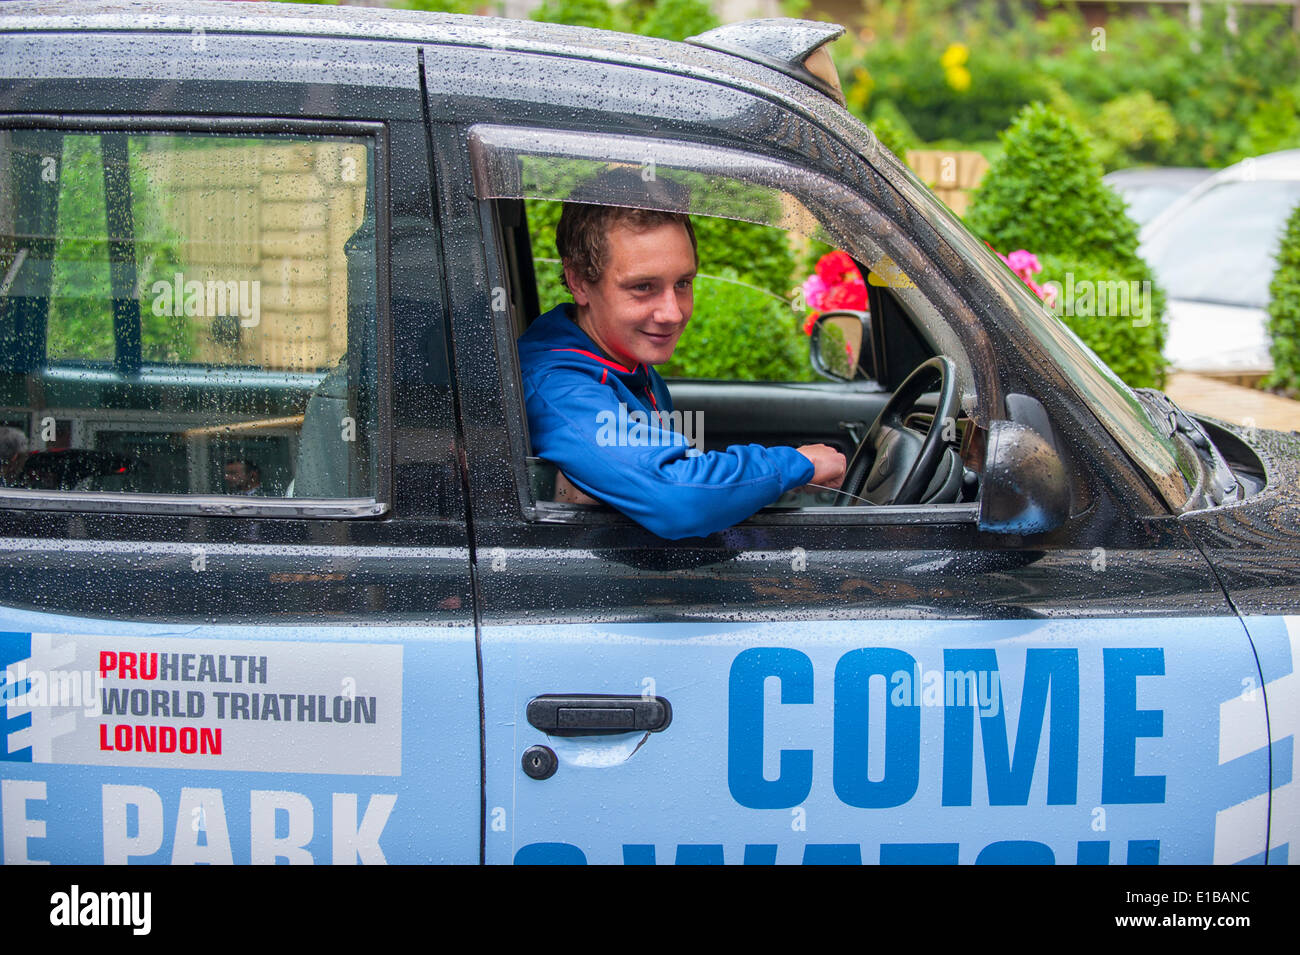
[875, 685]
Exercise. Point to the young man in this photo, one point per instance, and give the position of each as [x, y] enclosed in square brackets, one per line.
[588, 368]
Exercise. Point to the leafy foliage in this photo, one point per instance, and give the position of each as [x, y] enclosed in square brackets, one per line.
[1275, 126]
[677, 19]
[1284, 310]
[964, 94]
[80, 324]
[758, 254]
[1130, 342]
[1226, 93]
[438, 6]
[581, 13]
[738, 332]
[666, 19]
[1045, 194]
[1133, 128]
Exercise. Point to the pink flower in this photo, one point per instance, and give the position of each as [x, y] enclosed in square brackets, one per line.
[1023, 263]
[1026, 265]
[813, 290]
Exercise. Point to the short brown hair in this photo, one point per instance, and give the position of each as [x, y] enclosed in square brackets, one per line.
[581, 237]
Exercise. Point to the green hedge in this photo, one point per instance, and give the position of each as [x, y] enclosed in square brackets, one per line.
[1045, 195]
[1284, 310]
[740, 333]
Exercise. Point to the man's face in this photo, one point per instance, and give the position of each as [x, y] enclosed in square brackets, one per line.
[237, 478]
[641, 305]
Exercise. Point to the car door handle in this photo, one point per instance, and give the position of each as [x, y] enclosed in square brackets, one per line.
[592, 714]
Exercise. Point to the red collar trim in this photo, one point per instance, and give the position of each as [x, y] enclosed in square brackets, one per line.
[604, 361]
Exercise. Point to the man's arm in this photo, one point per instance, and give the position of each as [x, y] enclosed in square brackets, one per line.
[573, 421]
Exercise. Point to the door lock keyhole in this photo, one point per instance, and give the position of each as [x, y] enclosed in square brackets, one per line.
[540, 762]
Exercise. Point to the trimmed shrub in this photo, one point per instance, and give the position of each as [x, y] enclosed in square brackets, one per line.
[1045, 194]
[738, 332]
[1112, 309]
[1284, 310]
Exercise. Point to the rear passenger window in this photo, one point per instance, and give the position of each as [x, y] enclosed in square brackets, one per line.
[187, 314]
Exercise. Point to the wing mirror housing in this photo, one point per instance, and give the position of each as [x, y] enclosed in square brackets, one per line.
[1025, 490]
[841, 346]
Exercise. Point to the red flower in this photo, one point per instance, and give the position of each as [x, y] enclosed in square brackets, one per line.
[837, 267]
[836, 284]
[851, 295]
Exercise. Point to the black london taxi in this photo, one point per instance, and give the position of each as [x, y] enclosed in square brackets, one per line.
[281, 579]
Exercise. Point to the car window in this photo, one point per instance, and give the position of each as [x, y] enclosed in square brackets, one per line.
[752, 313]
[188, 314]
[814, 212]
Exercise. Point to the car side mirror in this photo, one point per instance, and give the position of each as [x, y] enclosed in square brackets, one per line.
[1024, 487]
[841, 346]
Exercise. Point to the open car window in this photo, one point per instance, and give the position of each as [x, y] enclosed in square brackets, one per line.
[512, 163]
[767, 391]
[755, 294]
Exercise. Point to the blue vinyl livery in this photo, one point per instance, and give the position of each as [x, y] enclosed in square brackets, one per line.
[295, 807]
[1061, 741]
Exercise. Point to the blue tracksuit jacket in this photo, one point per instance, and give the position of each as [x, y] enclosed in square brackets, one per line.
[638, 464]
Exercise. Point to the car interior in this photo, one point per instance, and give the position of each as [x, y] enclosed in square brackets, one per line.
[879, 405]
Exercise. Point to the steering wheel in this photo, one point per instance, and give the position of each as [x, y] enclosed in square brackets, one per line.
[894, 464]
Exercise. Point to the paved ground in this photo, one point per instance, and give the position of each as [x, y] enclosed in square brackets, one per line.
[1245, 406]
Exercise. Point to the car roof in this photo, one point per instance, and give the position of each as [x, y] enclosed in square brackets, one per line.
[413, 26]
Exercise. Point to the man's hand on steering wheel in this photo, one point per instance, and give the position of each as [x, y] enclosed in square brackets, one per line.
[828, 464]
